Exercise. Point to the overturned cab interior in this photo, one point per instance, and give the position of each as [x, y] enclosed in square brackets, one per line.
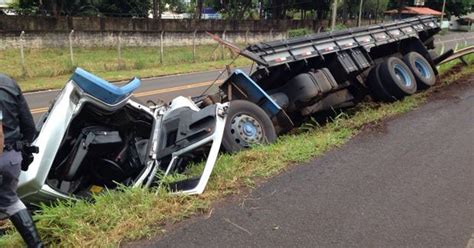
[96, 136]
[101, 149]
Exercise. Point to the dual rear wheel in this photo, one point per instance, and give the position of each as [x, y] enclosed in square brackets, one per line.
[395, 78]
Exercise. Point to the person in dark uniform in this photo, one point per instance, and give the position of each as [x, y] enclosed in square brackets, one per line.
[1, 133]
[18, 127]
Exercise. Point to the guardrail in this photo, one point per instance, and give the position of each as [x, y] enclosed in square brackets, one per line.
[459, 54]
[455, 43]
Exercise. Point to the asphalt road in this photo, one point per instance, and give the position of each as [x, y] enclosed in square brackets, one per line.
[163, 88]
[408, 182]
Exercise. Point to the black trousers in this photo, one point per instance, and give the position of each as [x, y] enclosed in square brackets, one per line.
[10, 168]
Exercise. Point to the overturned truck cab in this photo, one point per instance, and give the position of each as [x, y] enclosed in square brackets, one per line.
[96, 136]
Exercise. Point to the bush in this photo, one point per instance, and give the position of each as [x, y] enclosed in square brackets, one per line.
[299, 32]
[340, 27]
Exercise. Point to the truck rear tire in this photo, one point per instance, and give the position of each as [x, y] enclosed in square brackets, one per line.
[247, 124]
[397, 77]
[422, 70]
[377, 89]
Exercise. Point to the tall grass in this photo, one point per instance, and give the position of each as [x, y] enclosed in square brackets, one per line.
[52, 62]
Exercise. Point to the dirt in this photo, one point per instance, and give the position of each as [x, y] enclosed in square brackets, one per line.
[443, 91]
[378, 127]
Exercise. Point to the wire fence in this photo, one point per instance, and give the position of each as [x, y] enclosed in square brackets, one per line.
[58, 54]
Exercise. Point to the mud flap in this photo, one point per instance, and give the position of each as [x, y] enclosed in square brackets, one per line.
[252, 92]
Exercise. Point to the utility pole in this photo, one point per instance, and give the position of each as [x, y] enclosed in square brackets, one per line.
[334, 15]
[442, 12]
[359, 22]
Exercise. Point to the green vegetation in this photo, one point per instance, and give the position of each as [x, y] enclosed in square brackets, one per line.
[50, 68]
[305, 31]
[340, 27]
[299, 32]
[452, 7]
[448, 66]
[131, 214]
[230, 9]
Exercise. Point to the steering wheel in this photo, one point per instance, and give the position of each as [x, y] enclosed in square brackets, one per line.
[107, 171]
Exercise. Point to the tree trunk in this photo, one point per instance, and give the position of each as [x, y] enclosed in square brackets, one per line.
[345, 13]
[199, 9]
[278, 9]
[359, 19]
[400, 8]
[155, 7]
[334, 15]
[377, 11]
[60, 6]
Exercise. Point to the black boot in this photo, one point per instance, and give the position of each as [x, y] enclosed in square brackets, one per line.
[26, 227]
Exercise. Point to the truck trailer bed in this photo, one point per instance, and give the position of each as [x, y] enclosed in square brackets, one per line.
[274, 53]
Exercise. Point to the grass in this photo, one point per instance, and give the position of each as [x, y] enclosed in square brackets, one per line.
[131, 214]
[448, 66]
[50, 68]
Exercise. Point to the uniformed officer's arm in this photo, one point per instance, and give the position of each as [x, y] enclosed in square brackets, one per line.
[1, 132]
[27, 124]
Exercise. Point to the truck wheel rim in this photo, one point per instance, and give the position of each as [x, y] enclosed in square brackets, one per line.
[402, 75]
[422, 68]
[246, 130]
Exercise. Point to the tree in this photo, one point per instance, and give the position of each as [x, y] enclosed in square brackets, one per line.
[55, 7]
[175, 5]
[138, 8]
[349, 8]
[304, 6]
[199, 7]
[453, 7]
[25, 7]
[375, 7]
[322, 8]
[129, 8]
[234, 9]
[155, 9]
[397, 4]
